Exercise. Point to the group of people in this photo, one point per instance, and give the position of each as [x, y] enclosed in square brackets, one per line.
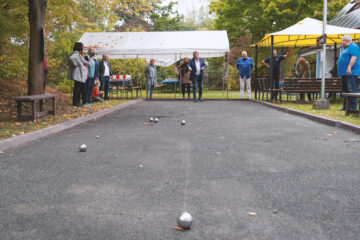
[191, 72]
[91, 77]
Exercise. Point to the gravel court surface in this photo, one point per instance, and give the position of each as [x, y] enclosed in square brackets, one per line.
[301, 178]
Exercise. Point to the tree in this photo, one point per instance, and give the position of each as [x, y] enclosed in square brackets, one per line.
[36, 50]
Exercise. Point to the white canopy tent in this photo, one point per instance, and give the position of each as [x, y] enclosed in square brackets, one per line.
[164, 47]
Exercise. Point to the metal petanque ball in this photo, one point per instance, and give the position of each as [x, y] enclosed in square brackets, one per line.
[156, 120]
[185, 220]
[151, 119]
[183, 122]
[83, 148]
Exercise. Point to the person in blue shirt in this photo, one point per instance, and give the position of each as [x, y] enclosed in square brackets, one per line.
[349, 69]
[276, 67]
[92, 75]
[245, 65]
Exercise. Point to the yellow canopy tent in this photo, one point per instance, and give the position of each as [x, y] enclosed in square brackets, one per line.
[305, 33]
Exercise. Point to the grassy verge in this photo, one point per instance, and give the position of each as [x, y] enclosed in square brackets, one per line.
[333, 112]
[9, 127]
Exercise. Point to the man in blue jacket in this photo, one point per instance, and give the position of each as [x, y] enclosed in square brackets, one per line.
[245, 65]
[197, 67]
[349, 69]
[93, 74]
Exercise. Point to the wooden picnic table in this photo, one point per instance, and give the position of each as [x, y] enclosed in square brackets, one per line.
[348, 96]
[34, 99]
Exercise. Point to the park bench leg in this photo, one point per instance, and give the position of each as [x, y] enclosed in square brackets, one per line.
[54, 106]
[19, 110]
[347, 107]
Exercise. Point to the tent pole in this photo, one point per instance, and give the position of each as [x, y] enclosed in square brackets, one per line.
[324, 51]
[174, 73]
[179, 74]
[335, 55]
[137, 69]
[271, 75]
[224, 76]
[256, 69]
[227, 75]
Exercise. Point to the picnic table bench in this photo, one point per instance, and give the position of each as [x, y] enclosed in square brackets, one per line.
[34, 99]
[348, 96]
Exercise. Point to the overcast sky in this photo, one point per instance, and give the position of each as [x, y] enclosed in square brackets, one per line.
[186, 5]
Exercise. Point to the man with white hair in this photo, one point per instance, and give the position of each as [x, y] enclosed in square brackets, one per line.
[197, 66]
[245, 65]
[349, 69]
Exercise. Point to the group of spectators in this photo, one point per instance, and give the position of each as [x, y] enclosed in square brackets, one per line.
[348, 68]
[91, 77]
[191, 72]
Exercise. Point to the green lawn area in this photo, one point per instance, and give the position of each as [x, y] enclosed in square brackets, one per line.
[333, 112]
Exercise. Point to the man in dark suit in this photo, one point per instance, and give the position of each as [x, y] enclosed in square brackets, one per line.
[104, 75]
[197, 67]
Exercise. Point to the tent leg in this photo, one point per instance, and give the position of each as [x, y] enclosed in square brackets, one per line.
[256, 70]
[271, 75]
[175, 75]
[223, 84]
[227, 75]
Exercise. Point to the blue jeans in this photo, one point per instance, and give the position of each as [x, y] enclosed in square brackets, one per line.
[198, 82]
[90, 83]
[351, 86]
[106, 86]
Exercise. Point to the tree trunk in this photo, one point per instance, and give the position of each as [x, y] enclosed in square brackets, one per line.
[36, 51]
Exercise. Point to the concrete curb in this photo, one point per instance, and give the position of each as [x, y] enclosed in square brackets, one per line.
[31, 136]
[328, 121]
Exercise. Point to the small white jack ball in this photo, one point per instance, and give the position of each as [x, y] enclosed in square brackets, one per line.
[183, 122]
[185, 220]
[151, 119]
[83, 148]
[156, 120]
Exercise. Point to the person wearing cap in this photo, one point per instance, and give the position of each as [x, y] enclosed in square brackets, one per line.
[303, 70]
[245, 64]
[349, 69]
[276, 68]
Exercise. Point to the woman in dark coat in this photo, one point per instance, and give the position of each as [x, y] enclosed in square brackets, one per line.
[185, 76]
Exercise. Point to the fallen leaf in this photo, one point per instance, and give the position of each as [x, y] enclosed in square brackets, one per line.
[21, 133]
[141, 166]
[53, 133]
[252, 213]
[222, 137]
[116, 155]
[11, 155]
[218, 153]
[13, 135]
[329, 134]
[329, 149]
[97, 136]
[1, 152]
[179, 228]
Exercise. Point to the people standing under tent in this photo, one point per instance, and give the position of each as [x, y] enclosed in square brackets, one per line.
[92, 75]
[105, 73]
[151, 78]
[197, 66]
[184, 71]
[276, 68]
[245, 65]
[304, 71]
[349, 69]
[77, 72]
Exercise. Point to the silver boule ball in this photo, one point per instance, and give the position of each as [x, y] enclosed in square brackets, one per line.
[156, 120]
[83, 148]
[185, 220]
[151, 119]
[183, 122]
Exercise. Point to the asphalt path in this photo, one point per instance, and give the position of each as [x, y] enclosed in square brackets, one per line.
[299, 179]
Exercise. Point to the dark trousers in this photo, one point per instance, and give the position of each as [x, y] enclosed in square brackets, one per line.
[198, 82]
[276, 77]
[302, 96]
[79, 90]
[105, 85]
[90, 83]
[183, 86]
[45, 77]
[349, 84]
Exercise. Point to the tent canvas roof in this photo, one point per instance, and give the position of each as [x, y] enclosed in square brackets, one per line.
[305, 33]
[162, 46]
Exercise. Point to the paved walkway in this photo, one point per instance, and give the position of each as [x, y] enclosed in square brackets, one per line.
[300, 177]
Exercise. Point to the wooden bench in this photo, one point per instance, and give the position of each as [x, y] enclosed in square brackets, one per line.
[137, 89]
[347, 97]
[34, 99]
[159, 87]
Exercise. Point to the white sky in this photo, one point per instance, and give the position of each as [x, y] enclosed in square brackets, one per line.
[186, 5]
